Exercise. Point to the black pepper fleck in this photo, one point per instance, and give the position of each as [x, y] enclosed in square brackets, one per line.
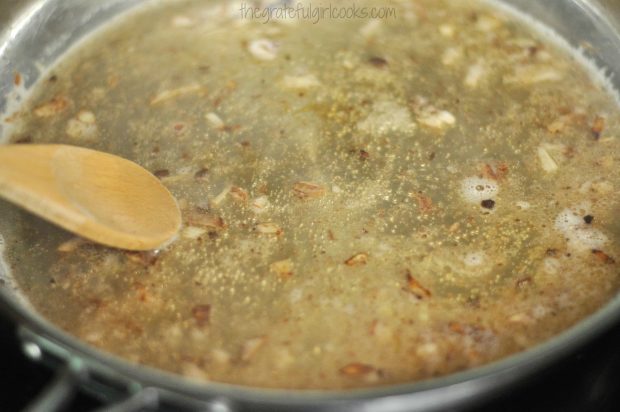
[588, 219]
[488, 203]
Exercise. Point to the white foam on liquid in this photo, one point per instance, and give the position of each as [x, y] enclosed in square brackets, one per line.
[579, 235]
[476, 189]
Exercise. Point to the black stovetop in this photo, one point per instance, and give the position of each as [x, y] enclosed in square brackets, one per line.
[585, 381]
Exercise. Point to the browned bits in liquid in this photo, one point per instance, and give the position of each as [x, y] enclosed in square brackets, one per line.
[268, 228]
[334, 233]
[425, 203]
[55, 106]
[202, 173]
[142, 258]
[283, 268]
[603, 257]
[357, 259]
[356, 369]
[495, 172]
[378, 62]
[201, 314]
[239, 194]
[416, 287]
[308, 190]
[524, 282]
[204, 218]
[161, 173]
[598, 125]
[24, 140]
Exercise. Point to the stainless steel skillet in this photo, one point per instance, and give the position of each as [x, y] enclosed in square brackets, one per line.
[36, 33]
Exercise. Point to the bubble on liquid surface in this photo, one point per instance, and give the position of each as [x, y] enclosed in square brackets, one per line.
[476, 189]
[474, 258]
[577, 232]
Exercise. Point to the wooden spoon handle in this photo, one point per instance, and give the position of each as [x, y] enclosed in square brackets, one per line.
[27, 179]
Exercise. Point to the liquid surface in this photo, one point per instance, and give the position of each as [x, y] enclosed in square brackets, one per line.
[366, 202]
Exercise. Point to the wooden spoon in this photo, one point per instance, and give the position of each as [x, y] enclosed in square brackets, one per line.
[101, 197]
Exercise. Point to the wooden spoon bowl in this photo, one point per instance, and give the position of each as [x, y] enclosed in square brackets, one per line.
[99, 196]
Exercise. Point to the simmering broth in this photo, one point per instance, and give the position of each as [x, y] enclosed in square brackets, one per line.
[366, 202]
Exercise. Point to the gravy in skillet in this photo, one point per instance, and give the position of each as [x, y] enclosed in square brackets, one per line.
[366, 201]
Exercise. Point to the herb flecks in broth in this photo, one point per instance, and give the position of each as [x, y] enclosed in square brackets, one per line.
[364, 202]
